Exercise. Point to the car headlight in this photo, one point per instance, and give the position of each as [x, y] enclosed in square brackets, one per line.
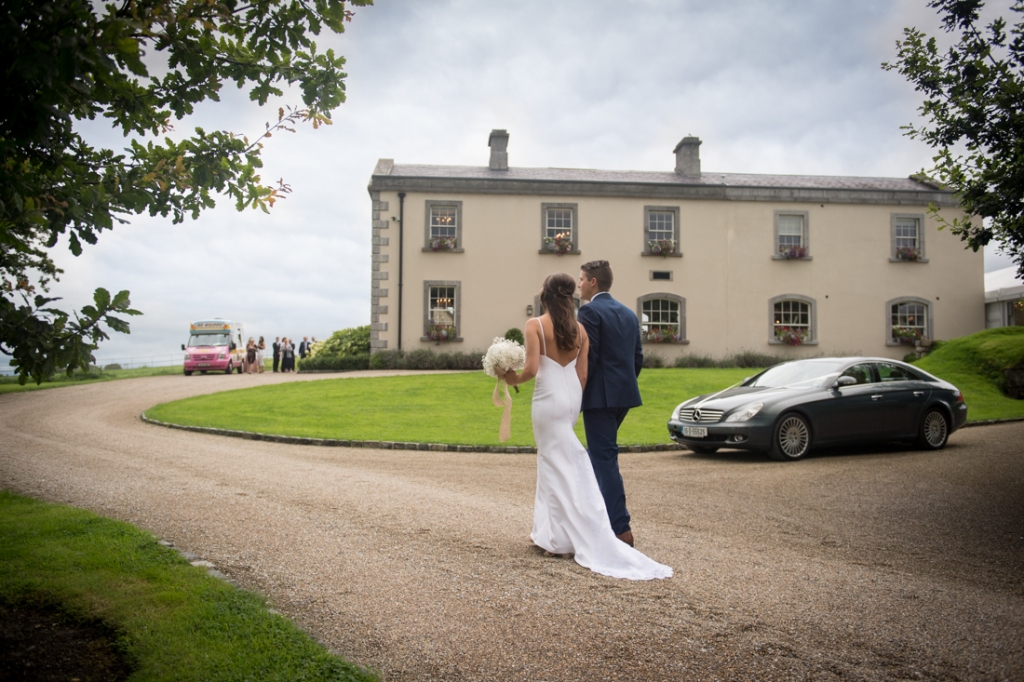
[746, 413]
[221, 356]
[187, 357]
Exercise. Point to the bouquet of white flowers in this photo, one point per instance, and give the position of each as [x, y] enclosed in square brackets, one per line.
[502, 356]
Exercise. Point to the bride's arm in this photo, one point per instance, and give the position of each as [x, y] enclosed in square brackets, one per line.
[582, 358]
[532, 355]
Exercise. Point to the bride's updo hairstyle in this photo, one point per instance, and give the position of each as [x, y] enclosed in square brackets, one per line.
[556, 297]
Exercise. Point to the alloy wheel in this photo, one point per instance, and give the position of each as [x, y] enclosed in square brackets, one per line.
[793, 437]
[935, 430]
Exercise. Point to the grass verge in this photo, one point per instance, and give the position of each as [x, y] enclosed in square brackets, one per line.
[435, 408]
[11, 385]
[175, 622]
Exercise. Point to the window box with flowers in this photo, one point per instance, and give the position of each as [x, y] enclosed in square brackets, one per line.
[662, 335]
[908, 253]
[791, 336]
[560, 244]
[441, 333]
[906, 336]
[443, 244]
[661, 247]
[793, 253]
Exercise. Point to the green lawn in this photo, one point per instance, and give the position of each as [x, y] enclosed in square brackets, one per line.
[175, 622]
[975, 365]
[434, 408]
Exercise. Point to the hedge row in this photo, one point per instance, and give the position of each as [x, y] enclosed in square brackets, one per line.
[342, 363]
[426, 359]
[744, 359]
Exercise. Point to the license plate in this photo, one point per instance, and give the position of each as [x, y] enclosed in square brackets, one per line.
[206, 364]
[695, 431]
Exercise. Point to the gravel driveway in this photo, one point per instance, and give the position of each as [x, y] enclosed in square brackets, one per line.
[872, 564]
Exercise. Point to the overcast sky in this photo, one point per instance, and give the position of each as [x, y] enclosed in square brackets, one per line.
[770, 86]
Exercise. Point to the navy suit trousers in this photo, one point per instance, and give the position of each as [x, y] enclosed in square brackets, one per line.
[602, 427]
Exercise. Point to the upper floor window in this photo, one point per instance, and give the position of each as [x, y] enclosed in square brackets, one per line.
[662, 318]
[443, 226]
[441, 311]
[907, 240]
[793, 320]
[791, 235]
[908, 320]
[661, 231]
[559, 229]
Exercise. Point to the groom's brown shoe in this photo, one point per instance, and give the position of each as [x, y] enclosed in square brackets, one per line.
[626, 537]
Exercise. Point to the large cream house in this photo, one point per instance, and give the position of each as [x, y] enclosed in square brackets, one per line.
[712, 263]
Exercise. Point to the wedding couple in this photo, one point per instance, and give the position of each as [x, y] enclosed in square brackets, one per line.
[593, 363]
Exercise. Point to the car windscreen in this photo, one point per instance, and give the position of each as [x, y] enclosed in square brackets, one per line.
[208, 340]
[797, 373]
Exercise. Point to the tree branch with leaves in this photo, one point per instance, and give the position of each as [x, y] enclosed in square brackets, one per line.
[974, 119]
[70, 60]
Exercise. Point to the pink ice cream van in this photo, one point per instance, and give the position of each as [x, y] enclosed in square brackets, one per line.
[214, 345]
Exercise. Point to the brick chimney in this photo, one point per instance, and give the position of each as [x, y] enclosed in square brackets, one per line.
[498, 142]
[688, 157]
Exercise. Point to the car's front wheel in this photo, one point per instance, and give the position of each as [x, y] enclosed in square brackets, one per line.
[703, 449]
[934, 431]
[791, 438]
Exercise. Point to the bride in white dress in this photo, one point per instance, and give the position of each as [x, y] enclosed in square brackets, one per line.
[569, 514]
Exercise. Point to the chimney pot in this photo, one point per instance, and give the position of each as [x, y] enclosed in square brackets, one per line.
[688, 157]
[498, 142]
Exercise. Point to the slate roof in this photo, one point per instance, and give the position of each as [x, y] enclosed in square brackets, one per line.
[587, 175]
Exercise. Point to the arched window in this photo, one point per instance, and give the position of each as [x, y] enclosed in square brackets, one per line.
[793, 320]
[662, 318]
[908, 319]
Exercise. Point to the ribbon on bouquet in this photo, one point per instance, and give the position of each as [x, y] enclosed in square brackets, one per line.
[506, 418]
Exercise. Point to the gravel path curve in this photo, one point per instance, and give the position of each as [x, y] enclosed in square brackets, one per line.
[874, 564]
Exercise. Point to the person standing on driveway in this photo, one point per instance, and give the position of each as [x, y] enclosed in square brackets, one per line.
[277, 352]
[615, 359]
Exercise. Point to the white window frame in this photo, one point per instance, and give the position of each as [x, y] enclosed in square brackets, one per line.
[812, 318]
[662, 296]
[805, 234]
[928, 322]
[456, 307]
[428, 233]
[894, 237]
[672, 211]
[574, 230]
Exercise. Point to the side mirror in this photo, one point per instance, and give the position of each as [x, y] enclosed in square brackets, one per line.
[845, 381]
[183, 346]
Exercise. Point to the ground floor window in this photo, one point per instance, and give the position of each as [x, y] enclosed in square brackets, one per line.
[441, 318]
[662, 318]
[908, 321]
[792, 320]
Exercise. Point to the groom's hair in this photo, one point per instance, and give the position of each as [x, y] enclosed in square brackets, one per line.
[601, 271]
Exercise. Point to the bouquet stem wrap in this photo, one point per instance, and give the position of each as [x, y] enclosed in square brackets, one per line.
[502, 356]
[505, 432]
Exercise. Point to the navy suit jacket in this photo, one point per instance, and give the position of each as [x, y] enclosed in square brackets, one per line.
[616, 354]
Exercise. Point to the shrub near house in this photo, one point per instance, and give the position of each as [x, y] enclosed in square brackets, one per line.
[345, 350]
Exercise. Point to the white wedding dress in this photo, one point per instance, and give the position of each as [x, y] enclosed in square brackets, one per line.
[569, 515]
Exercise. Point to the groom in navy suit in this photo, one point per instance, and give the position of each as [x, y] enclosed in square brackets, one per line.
[614, 363]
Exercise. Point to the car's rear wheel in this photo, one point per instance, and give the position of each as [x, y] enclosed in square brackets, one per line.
[239, 369]
[791, 438]
[703, 449]
[934, 431]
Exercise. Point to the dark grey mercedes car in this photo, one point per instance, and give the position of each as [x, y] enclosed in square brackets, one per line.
[790, 408]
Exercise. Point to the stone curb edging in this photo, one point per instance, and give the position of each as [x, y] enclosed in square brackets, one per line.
[198, 562]
[387, 444]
